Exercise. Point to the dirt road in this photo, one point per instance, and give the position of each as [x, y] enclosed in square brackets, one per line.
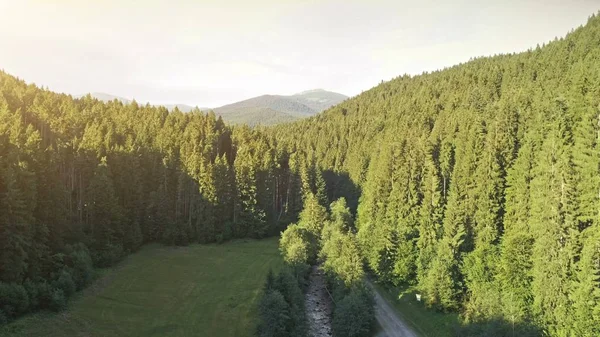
[391, 324]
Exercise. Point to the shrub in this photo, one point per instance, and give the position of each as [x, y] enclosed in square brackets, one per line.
[176, 235]
[354, 315]
[274, 314]
[295, 245]
[82, 266]
[33, 293]
[14, 299]
[65, 283]
[44, 292]
[3, 318]
[58, 301]
[39, 294]
[108, 256]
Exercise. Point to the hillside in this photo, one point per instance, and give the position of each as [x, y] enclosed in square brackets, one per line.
[109, 98]
[318, 99]
[275, 109]
[261, 110]
[480, 184]
[475, 186]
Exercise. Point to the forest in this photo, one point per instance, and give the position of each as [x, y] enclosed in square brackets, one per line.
[83, 183]
[478, 185]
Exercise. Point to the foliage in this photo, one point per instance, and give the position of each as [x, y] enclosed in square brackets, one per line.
[274, 313]
[478, 183]
[281, 308]
[354, 315]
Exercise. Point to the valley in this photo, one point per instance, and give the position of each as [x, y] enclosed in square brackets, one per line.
[461, 201]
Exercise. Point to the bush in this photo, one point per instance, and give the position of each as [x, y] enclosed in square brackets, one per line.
[39, 294]
[285, 318]
[295, 246]
[226, 234]
[354, 315]
[176, 235]
[58, 301]
[108, 256]
[82, 266]
[44, 291]
[33, 293]
[65, 283]
[274, 314]
[3, 318]
[14, 299]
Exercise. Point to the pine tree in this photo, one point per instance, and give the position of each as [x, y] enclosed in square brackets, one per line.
[480, 265]
[586, 287]
[320, 189]
[312, 219]
[376, 236]
[104, 210]
[443, 284]
[553, 216]
[430, 215]
[13, 228]
[514, 270]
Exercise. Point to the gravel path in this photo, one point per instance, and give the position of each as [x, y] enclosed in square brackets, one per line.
[391, 324]
[318, 305]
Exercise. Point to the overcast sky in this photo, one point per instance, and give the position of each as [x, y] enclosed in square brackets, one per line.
[209, 53]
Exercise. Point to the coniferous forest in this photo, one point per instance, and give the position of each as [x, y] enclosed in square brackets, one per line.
[479, 185]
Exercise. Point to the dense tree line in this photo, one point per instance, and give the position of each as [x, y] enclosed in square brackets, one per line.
[83, 182]
[480, 183]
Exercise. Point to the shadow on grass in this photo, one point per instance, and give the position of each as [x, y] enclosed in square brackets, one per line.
[432, 323]
[498, 328]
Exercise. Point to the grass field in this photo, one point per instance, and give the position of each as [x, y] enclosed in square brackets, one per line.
[425, 322]
[200, 290]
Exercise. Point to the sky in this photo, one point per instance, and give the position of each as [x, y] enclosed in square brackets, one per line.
[209, 53]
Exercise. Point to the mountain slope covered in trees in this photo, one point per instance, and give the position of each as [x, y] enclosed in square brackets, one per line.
[478, 185]
[84, 182]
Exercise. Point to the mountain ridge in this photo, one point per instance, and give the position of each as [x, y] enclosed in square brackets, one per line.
[265, 109]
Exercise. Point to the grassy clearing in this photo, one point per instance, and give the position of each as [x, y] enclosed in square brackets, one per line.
[425, 322]
[200, 290]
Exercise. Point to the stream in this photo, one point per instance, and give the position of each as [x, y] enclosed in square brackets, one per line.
[318, 305]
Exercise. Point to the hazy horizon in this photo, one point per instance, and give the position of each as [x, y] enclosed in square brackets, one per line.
[210, 54]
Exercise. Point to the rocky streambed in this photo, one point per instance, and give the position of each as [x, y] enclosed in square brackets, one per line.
[318, 305]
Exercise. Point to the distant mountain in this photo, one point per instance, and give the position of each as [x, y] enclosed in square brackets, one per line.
[319, 99]
[109, 98]
[182, 107]
[276, 109]
[261, 110]
[106, 97]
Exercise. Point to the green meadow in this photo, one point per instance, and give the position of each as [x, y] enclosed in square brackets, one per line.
[199, 290]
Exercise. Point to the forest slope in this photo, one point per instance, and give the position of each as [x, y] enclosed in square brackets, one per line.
[480, 183]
